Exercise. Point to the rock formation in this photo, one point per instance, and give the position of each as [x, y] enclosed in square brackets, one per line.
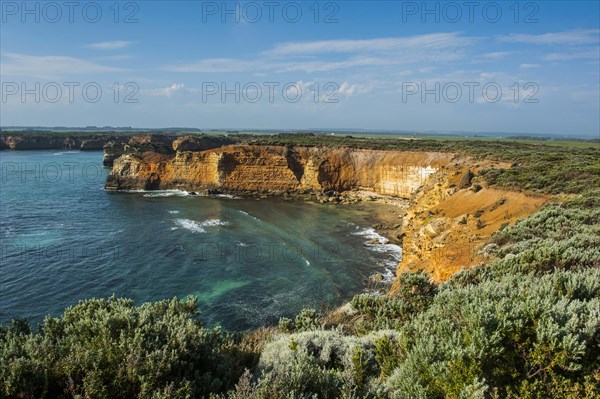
[48, 141]
[275, 169]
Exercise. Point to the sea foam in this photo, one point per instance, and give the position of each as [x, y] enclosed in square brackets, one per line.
[378, 243]
[166, 193]
[199, 227]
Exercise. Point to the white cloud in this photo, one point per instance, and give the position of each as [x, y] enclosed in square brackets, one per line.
[496, 55]
[166, 91]
[570, 37]
[591, 54]
[529, 66]
[114, 45]
[428, 41]
[115, 57]
[229, 65]
[210, 65]
[327, 66]
[325, 92]
[303, 56]
[351, 89]
[49, 66]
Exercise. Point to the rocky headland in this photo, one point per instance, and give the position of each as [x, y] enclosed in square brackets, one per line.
[49, 141]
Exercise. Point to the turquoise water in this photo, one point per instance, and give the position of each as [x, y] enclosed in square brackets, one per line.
[64, 238]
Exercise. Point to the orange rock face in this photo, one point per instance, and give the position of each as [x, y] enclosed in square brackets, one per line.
[447, 228]
[277, 169]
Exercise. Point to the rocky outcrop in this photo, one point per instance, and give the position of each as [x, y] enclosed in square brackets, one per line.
[50, 141]
[113, 150]
[275, 170]
[161, 144]
[93, 144]
[22, 143]
[447, 227]
[200, 143]
[114, 145]
[158, 143]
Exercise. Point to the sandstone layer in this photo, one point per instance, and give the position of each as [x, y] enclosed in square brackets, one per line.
[274, 169]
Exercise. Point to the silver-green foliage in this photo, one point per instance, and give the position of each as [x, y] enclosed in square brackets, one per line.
[113, 349]
[349, 366]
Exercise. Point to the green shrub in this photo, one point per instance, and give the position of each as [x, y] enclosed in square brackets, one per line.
[507, 332]
[386, 355]
[307, 320]
[112, 349]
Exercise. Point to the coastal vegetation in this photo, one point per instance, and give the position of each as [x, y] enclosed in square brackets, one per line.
[525, 324]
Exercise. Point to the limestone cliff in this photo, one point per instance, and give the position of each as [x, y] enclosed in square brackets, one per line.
[163, 144]
[47, 141]
[274, 169]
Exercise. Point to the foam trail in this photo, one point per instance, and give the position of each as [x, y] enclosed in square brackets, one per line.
[249, 215]
[199, 227]
[190, 225]
[378, 243]
[166, 193]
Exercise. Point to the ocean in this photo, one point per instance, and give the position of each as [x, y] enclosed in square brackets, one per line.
[63, 238]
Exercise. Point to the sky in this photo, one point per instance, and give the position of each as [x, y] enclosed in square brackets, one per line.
[519, 67]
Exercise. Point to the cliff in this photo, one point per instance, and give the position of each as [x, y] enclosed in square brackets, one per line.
[161, 144]
[274, 169]
[41, 141]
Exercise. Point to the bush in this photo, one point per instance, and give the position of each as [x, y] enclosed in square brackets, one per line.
[307, 320]
[526, 326]
[509, 332]
[112, 349]
[465, 180]
[327, 364]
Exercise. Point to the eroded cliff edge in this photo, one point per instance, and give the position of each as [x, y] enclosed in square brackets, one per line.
[451, 214]
[275, 170]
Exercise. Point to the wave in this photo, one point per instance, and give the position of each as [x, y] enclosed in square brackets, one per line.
[173, 212]
[65, 152]
[190, 225]
[166, 193]
[198, 227]
[214, 222]
[227, 196]
[378, 243]
[158, 193]
[247, 214]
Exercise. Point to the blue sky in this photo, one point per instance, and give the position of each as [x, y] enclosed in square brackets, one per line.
[522, 67]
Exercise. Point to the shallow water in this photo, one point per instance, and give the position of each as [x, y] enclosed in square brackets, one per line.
[64, 238]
